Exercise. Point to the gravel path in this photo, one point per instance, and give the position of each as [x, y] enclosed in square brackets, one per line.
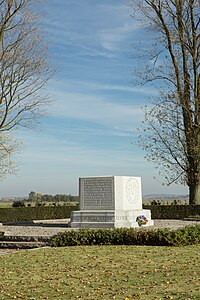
[51, 227]
[173, 224]
[35, 228]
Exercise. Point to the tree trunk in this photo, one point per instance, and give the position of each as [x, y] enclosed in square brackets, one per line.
[194, 193]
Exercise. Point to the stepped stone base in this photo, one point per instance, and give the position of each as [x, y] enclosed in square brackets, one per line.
[108, 218]
[23, 242]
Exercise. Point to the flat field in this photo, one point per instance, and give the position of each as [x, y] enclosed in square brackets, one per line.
[5, 204]
[102, 272]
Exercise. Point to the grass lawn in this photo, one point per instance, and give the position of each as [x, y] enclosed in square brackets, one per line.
[102, 272]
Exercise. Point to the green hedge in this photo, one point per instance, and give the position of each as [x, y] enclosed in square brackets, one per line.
[128, 236]
[35, 213]
[63, 212]
[173, 211]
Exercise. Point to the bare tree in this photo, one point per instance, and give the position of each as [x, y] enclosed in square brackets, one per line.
[172, 137]
[8, 147]
[23, 67]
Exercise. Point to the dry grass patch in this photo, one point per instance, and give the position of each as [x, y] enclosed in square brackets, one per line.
[102, 272]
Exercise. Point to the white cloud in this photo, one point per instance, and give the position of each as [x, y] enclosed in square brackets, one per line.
[81, 85]
[133, 89]
[83, 101]
[113, 39]
[96, 109]
[46, 154]
[100, 30]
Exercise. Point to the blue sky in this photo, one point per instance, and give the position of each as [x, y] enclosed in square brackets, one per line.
[92, 125]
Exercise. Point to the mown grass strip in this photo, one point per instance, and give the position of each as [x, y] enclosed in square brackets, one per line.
[102, 272]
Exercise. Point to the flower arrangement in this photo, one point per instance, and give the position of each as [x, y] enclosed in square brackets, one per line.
[142, 220]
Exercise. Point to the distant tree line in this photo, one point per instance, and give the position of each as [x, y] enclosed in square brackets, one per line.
[174, 202]
[38, 197]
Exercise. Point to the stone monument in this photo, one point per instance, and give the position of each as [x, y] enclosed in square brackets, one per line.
[109, 202]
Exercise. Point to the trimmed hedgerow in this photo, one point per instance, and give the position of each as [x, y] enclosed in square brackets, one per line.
[128, 236]
[173, 211]
[16, 214]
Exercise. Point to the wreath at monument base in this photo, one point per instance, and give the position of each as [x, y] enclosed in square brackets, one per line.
[142, 220]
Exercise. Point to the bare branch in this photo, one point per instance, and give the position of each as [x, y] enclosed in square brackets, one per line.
[24, 70]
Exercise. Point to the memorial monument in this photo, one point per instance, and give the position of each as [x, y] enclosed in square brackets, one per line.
[109, 202]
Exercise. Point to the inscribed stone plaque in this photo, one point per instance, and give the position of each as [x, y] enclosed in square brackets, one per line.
[96, 193]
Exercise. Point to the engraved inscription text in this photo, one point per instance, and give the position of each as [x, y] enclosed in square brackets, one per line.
[97, 192]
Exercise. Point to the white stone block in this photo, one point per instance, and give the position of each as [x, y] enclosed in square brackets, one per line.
[109, 201]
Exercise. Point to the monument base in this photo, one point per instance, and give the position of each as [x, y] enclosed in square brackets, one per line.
[108, 218]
